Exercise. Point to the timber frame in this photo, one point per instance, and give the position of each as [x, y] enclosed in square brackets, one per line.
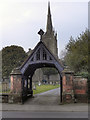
[40, 57]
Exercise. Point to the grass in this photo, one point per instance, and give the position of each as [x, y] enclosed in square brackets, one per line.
[39, 89]
[44, 88]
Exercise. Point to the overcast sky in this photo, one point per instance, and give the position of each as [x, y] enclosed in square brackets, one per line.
[20, 20]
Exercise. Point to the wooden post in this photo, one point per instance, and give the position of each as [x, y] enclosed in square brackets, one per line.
[31, 85]
[61, 90]
[27, 83]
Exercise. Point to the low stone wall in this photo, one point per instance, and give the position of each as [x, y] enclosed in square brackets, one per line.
[80, 89]
[3, 98]
[75, 88]
[14, 98]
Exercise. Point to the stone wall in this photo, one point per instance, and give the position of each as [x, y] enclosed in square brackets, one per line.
[67, 87]
[75, 88]
[15, 95]
[51, 43]
[80, 89]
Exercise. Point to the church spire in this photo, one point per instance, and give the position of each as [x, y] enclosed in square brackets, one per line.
[49, 20]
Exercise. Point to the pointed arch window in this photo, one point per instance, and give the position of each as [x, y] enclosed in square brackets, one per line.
[38, 55]
[44, 55]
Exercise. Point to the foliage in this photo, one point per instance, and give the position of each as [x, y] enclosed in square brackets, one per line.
[49, 71]
[44, 88]
[12, 57]
[77, 53]
[83, 74]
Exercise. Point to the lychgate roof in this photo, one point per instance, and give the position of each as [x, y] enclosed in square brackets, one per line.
[40, 57]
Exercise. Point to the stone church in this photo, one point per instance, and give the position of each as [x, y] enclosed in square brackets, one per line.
[50, 40]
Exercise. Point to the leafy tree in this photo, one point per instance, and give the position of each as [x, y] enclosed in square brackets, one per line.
[62, 57]
[12, 57]
[49, 71]
[77, 53]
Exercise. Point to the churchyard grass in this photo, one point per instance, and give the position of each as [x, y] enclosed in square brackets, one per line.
[39, 89]
[44, 88]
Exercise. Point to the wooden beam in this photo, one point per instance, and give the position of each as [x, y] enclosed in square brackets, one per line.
[61, 89]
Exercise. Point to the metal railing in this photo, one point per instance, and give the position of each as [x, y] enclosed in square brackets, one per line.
[4, 87]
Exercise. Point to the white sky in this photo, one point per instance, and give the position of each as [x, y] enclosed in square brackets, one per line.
[20, 20]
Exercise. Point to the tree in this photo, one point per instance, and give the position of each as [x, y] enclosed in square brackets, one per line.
[12, 57]
[62, 57]
[77, 53]
[49, 71]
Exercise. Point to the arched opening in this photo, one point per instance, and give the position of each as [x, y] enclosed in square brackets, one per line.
[29, 73]
[39, 58]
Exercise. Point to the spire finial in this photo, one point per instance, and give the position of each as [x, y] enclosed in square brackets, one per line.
[49, 13]
[49, 20]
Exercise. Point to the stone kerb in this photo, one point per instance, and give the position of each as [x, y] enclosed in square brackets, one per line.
[67, 82]
[15, 95]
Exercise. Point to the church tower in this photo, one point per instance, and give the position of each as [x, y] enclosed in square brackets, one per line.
[50, 36]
